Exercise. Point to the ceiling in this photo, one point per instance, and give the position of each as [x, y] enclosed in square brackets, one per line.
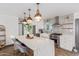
[48, 10]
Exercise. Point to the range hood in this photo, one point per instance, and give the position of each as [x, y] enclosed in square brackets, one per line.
[56, 21]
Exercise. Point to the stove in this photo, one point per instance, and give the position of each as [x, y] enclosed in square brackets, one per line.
[56, 38]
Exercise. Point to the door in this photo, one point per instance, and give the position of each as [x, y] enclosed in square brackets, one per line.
[77, 33]
[34, 29]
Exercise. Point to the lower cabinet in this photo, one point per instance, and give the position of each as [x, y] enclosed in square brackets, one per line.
[67, 42]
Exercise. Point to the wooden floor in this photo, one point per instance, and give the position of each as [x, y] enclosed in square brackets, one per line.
[62, 52]
[9, 51]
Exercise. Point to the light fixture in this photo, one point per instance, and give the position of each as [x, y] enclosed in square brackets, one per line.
[24, 20]
[38, 15]
[29, 19]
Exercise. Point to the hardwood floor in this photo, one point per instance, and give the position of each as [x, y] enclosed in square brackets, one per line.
[62, 52]
[9, 51]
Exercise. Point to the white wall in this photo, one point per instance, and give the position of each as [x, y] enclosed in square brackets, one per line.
[10, 22]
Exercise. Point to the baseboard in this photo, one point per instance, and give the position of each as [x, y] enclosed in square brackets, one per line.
[66, 49]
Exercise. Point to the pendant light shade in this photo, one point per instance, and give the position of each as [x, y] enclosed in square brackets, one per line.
[38, 15]
[24, 20]
[29, 19]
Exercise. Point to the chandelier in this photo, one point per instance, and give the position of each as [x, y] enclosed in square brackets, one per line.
[38, 15]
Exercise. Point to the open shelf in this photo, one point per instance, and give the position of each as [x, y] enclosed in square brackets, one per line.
[67, 24]
[2, 36]
[67, 28]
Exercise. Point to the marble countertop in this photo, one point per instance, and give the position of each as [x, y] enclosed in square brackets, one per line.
[41, 46]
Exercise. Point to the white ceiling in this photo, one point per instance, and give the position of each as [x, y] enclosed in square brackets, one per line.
[48, 10]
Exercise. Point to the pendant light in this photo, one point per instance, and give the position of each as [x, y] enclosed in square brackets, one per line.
[38, 15]
[24, 20]
[29, 19]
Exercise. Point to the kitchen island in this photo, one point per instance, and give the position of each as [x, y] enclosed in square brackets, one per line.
[40, 46]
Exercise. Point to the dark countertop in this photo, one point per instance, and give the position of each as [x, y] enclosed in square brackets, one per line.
[56, 34]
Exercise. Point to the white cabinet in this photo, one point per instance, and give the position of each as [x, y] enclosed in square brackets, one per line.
[67, 42]
[67, 38]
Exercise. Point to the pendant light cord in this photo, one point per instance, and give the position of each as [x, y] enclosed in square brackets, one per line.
[29, 12]
[24, 15]
[38, 5]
